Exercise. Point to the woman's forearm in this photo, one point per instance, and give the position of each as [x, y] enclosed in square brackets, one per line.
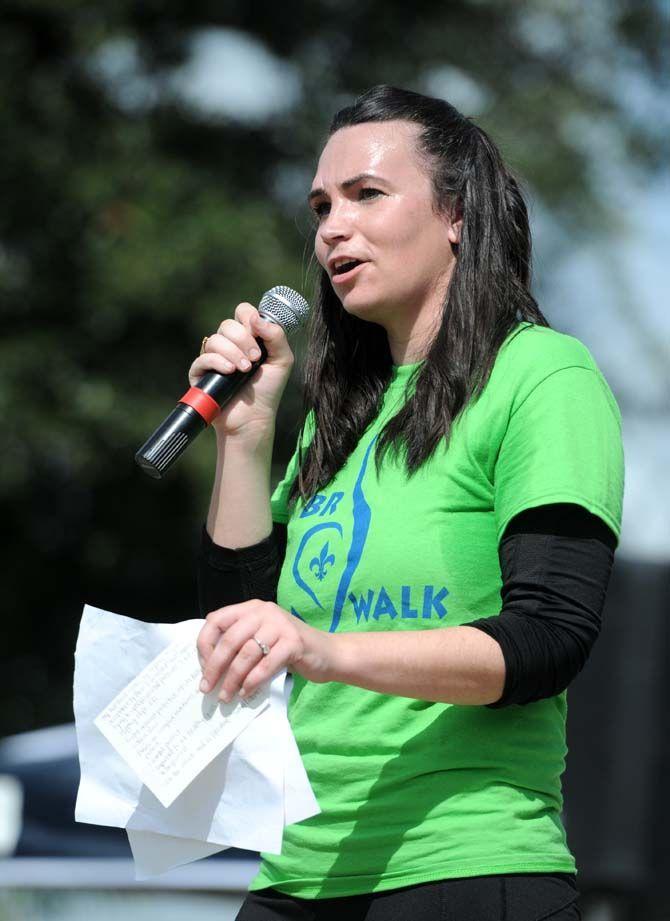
[457, 665]
[239, 511]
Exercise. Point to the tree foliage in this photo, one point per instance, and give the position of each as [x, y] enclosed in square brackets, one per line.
[133, 222]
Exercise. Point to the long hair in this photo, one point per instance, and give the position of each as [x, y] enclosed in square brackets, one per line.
[349, 363]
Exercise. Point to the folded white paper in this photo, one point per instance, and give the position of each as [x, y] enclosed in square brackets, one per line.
[166, 729]
[237, 777]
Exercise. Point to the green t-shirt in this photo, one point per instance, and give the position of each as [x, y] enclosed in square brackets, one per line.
[411, 790]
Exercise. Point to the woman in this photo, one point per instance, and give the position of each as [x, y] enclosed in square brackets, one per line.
[456, 451]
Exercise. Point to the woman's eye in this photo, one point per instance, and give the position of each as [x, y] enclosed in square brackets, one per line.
[375, 192]
[319, 210]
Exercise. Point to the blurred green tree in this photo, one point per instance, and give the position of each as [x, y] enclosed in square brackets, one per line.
[133, 220]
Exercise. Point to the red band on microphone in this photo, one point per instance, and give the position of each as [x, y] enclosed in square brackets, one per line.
[202, 403]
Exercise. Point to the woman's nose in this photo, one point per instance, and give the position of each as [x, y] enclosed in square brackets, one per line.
[337, 224]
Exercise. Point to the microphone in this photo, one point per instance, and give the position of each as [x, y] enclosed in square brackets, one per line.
[202, 403]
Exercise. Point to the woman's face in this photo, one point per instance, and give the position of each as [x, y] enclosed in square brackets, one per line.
[386, 221]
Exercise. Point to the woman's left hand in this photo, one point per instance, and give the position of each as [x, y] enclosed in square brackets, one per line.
[226, 646]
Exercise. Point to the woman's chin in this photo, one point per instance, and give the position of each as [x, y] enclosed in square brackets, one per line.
[358, 305]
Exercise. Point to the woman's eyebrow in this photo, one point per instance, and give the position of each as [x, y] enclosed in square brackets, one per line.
[345, 184]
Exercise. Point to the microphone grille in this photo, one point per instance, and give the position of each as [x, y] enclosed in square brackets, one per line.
[285, 306]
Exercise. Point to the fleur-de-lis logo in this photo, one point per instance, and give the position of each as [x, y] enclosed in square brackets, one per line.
[319, 564]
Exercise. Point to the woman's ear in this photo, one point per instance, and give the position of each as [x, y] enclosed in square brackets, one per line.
[454, 231]
[455, 223]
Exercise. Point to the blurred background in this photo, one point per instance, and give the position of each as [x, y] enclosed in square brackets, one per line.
[154, 164]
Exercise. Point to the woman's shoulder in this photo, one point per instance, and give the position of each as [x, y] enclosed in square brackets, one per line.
[537, 349]
[532, 353]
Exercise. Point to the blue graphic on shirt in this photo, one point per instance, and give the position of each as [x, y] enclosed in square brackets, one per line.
[307, 536]
[321, 564]
[361, 515]
[384, 606]
[324, 552]
[361, 525]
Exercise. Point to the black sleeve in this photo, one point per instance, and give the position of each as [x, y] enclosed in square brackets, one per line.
[555, 562]
[227, 576]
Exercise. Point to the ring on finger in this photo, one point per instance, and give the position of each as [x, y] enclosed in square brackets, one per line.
[264, 648]
[204, 343]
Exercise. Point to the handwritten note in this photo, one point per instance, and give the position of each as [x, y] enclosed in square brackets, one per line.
[166, 729]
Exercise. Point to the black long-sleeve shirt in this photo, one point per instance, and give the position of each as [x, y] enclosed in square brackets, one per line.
[555, 562]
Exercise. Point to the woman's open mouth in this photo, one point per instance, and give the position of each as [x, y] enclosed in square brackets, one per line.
[346, 271]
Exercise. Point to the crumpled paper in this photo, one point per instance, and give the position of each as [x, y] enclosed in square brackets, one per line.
[184, 774]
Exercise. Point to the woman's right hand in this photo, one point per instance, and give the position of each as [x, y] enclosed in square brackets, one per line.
[254, 407]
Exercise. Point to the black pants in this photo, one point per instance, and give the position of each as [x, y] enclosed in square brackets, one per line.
[501, 897]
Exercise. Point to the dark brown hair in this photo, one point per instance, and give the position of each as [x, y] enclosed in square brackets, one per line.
[349, 363]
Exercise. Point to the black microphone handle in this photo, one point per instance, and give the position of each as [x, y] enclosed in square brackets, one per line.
[183, 425]
[223, 387]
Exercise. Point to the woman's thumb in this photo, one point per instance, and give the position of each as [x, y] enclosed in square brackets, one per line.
[272, 334]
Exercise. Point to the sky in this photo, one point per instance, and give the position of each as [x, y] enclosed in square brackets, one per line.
[609, 291]
[612, 295]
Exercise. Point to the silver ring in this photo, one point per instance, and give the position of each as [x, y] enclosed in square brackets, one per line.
[265, 649]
